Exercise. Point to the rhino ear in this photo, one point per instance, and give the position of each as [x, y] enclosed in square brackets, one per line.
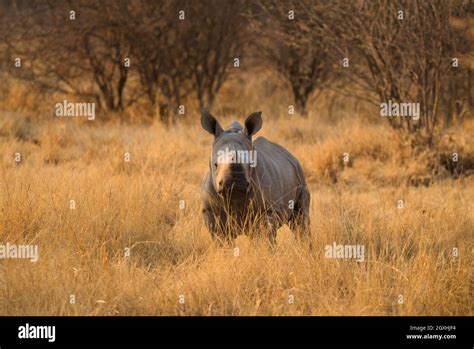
[253, 123]
[210, 124]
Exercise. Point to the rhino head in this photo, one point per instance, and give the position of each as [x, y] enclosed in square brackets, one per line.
[232, 157]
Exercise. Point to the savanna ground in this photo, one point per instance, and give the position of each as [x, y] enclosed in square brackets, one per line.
[410, 267]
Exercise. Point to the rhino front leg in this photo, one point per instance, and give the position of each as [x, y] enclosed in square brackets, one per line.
[216, 225]
[210, 221]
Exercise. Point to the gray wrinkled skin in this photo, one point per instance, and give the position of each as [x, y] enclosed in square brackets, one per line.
[237, 195]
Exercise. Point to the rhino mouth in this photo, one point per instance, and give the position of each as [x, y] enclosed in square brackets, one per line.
[236, 183]
[232, 187]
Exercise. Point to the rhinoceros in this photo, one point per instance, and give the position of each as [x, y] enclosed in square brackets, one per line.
[252, 182]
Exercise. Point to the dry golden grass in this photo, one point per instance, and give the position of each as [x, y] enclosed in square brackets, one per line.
[135, 204]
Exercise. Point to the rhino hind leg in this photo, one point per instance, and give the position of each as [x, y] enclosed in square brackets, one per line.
[299, 222]
[272, 226]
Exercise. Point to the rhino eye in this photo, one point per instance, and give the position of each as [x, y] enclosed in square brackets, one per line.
[215, 166]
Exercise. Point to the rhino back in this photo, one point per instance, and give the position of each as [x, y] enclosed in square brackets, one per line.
[278, 175]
